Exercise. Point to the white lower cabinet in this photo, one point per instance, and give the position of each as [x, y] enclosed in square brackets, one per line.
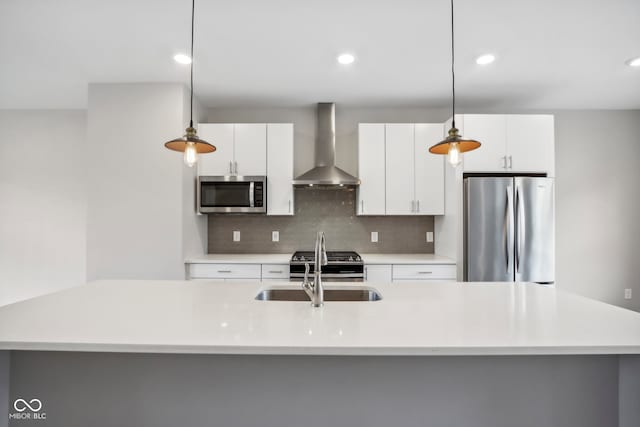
[225, 271]
[424, 272]
[380, 273]
[397, 273]
[275, 271]
[228, 272]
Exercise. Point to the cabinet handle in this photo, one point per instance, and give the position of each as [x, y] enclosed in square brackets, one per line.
[510, 162]
[230, 168]
[289, 205]
[425, 272]
[413, 206]
[236, 167]
[275, 271]
[504, 162]
[362, 206]
[224, 271]
[418, 206]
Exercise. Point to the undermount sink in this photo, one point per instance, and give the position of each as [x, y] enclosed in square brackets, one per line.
[330, 294]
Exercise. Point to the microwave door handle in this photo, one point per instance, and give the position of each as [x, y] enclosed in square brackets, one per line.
[251, 190]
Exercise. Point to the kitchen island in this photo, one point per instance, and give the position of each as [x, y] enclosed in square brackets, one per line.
[194, 353]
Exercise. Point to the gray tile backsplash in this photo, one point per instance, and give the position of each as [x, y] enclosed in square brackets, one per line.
[331, 211]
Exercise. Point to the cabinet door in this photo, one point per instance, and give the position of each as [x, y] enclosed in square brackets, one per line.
[400, 175]
[490, 130]
[280, 169]
[377, 273]
[429, 170]
[219, 162]
[371, 164]
[530, 143]
[250, 149]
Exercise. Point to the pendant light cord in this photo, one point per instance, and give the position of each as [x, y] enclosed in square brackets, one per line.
[453, 73]
[193, 7]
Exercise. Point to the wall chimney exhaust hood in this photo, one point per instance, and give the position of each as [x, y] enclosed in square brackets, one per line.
[325, 172]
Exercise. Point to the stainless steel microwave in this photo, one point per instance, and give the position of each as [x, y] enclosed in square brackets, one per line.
[232, 194]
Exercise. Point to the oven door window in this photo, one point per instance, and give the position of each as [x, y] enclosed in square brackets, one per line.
[225, 194]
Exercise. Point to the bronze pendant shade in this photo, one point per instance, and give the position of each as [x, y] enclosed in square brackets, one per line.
[180, 144]
[189, 143]
[454, 144]
[464, 144]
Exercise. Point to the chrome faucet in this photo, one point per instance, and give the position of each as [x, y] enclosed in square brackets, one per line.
[314, 289]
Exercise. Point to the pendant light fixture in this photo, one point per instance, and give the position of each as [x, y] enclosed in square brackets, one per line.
[454, 144]
[190, 144]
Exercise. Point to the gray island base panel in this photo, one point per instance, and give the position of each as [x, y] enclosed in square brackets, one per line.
[80, 389]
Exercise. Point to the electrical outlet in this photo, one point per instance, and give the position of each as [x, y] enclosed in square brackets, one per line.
[627, 293]
[275, 236]
[236, 236]
[374, 237]
[429, 236]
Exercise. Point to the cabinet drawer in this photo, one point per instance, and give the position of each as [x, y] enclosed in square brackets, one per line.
[424, 272]
[275, 271]
[224, 271]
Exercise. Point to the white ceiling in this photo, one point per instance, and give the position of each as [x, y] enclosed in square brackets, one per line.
[552, 54]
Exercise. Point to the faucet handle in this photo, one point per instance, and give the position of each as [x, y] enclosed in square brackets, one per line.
[306, 272]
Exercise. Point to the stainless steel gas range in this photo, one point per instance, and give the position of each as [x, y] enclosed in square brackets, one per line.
[343, 266]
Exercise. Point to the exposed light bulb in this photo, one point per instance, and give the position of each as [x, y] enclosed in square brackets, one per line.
[453, 156]
[190, 154]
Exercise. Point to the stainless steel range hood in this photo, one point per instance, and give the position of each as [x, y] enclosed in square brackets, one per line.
[325, 172]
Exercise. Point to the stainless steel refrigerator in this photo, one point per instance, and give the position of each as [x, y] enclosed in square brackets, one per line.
[509, 229]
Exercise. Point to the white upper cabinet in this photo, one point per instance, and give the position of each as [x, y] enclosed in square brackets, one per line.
[510, 143]
[429, 170]
[250, 154]
[400, 174]
[220, 162]
[280, 169]
[241, 149]
[489, 129]
[371, 164]
[531, 143]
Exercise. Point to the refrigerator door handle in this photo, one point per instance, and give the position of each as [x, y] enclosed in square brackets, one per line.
[520, 232]
[509, 224]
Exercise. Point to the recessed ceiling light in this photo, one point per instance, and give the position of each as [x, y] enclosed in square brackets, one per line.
[346, 59]
[485, 59]
[635, 62]
[182, 59]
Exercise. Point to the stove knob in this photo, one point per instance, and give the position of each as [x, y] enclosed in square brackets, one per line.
[358, 258]
[350, 258]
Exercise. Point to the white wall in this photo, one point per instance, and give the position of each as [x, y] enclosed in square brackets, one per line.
[598, 204]
[136, 201]
[194, 226]
[42, 202]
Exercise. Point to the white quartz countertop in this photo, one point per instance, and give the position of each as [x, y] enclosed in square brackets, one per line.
[240, 259]
[285, 258]
[406, 259]
[411, 319]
